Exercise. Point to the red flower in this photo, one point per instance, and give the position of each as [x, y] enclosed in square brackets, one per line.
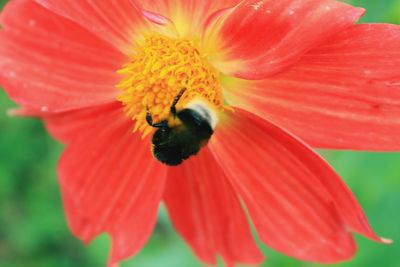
[277, 74]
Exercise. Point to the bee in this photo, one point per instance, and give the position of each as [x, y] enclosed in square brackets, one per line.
[183, 133]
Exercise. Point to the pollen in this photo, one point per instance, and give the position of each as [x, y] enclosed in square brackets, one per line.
[158, 70]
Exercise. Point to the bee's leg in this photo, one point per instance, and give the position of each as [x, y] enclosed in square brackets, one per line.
[176, 99]
[149, 120]
[161, 124]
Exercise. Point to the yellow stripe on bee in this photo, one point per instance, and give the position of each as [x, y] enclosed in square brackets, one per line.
[174, 121]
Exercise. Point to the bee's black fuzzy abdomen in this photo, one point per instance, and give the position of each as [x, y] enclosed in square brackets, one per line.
[167, 156]
[172, 146]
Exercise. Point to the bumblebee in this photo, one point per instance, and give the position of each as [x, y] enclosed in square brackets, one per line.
[182, 134]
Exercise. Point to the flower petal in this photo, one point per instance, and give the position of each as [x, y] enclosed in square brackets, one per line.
[47, 62]
[65, 126]
[288, 190]
[262, 37]
[118, 22]
[204, 209]
[68, 125]
[343, 95]
[111, 183]
[187, 15]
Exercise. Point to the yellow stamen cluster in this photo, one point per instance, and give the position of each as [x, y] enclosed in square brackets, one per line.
[159, 69]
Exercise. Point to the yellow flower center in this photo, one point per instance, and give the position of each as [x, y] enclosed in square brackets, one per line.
[160, 68]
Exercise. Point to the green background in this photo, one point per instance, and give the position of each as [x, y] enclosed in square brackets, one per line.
[33, 231]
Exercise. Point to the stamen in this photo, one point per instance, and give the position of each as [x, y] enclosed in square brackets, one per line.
[159, 69]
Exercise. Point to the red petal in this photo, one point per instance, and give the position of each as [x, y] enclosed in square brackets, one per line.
[187, 15]
[207, 213]
[111, 183]
[65, 126]
[118, 22]
[260, 38]
[289, 190]
[345, 94]
[48, 62]
[68, 125]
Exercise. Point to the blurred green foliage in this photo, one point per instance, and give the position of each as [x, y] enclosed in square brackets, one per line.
[33, 231]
